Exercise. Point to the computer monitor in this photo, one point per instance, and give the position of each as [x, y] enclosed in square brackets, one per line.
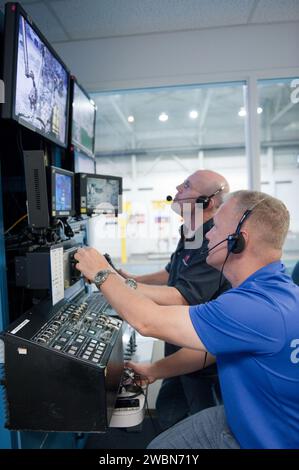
[98, 194]
[83, 120]
[61, 192]
[83, 163]
[37, 81]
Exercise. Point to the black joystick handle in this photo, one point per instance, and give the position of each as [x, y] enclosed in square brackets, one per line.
[108, 258]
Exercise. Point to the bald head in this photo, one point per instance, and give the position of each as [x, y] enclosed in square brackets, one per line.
[207, 182]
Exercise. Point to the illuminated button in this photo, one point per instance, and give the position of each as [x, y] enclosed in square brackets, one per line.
[63, 339]
[79, 340]
[97, 356]
[95, 360]
[85, 356]
[71, 351]
[92, 332]
[57, 346]
[93, 341]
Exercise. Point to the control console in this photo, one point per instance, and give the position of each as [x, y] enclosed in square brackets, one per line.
[63, 367]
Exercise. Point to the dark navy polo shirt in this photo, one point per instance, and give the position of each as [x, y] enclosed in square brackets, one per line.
[191, 275]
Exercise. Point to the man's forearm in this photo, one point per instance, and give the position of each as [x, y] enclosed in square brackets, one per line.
[182, 362]
[162, 295]
[170, 323]
[158, 278]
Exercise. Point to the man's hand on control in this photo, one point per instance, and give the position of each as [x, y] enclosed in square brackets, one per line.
[125, 275]
[90, 262]
[144, 370]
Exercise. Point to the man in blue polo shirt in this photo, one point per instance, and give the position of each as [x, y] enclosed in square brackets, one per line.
[252, 330]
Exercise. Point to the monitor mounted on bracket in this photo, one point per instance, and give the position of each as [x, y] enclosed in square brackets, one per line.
[98, 194]
[50, 191]
[61, 192]
[37, 81]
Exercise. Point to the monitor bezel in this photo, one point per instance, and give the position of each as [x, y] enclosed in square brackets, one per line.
[75, 145]
[13, 11]
[53, 170]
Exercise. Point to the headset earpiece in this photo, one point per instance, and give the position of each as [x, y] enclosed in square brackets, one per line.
[204, 200]
[235, 243]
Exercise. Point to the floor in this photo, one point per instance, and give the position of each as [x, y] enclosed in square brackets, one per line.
[134, 438]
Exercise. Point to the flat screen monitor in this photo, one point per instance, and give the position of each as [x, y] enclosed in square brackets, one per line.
[83, 120]
[61, 189]
[38, 81]
[83, 163]
[98, 194]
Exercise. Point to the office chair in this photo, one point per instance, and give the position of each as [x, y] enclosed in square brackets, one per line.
[295, 273]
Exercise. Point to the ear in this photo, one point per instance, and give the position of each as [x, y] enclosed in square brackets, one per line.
[211, 204]
[245, 234]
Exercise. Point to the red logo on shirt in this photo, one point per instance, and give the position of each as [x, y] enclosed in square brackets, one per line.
[186, 259]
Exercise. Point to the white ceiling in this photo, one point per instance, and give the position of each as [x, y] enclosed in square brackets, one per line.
[218, 122]
[73, 20]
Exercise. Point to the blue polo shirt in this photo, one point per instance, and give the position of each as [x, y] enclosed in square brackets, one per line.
[253, 330]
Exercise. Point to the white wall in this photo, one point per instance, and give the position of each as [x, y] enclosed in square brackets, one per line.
[226, 53]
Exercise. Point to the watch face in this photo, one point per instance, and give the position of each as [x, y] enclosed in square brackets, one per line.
[100, 277]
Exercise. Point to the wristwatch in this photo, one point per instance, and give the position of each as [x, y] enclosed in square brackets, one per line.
[131, 282]
[101, 277]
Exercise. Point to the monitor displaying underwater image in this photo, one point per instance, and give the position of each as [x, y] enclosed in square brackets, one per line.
[41, 98]
[103, 193]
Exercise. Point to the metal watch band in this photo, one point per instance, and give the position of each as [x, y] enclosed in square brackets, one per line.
[102, 276]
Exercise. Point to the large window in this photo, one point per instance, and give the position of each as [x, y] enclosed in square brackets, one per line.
[279, 131]
[156, 138]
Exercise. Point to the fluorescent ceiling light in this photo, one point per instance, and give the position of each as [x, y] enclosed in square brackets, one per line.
[193, 114]
[163, 117]
[242, 111]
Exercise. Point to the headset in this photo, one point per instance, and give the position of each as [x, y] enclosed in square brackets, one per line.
[204, 200]
[236, 240]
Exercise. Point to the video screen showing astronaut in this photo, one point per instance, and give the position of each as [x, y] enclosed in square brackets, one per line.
[63, 192]
[102, 194]
[83, 121]
[41, 86]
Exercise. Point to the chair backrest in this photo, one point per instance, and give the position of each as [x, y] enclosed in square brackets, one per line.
[295, 274]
